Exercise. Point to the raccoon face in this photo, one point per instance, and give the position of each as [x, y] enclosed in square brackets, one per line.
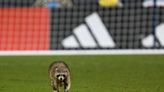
[61, 77]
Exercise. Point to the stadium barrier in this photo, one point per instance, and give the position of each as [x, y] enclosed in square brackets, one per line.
[85, 28]
[24, 29]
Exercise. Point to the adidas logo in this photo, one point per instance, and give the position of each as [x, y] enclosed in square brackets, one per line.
[93, 34]
[150, 3]
[159, 34]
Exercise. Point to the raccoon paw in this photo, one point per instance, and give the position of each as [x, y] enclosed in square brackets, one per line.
[56, 91]
[65, 90]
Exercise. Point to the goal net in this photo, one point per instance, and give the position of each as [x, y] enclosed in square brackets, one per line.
[55, 25]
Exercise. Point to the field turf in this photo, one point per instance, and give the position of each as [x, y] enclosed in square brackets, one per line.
[89, 73]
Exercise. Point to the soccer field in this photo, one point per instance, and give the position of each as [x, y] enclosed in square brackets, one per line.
[89, 73]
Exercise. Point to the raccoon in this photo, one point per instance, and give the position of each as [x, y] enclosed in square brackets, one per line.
[59, 73]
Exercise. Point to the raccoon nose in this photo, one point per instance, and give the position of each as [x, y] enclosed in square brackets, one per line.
[60, 78]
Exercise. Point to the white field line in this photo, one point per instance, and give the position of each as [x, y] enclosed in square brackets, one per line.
[84, 52]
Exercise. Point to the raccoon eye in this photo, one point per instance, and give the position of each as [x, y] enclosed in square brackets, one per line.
[64, 76]
[57, 75]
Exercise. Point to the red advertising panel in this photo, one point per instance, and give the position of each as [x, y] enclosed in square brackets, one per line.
[24, 29]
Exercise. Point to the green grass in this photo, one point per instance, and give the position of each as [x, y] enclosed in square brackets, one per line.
[89, 73]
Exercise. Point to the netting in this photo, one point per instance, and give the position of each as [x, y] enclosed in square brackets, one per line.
[80, 25]
[128, 25]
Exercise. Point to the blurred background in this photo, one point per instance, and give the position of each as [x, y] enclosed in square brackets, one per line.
[81, 25]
